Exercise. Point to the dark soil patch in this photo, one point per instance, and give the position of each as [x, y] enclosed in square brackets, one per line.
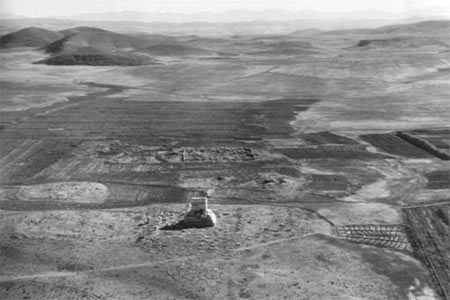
[158, 123]
[439, 179]
[10, 253]
[337, 152]
[288, 171]
[321, 182]
[325, 137]
[94, 57]
[423, 144]
[121, 196]
[47, 153]
[174, 49]
[429, 235]
[394, 145]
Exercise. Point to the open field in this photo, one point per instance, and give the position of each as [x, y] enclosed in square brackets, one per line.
[429, 230]
[439, 138]
[292, 137]
[436, 142]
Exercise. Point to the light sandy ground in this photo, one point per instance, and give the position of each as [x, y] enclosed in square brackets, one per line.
[362, 213]
[74, 192]
[256, 252]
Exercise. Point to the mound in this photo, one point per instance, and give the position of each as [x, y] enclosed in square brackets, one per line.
[175, 49]
[58, 46]
[82, 37]
[436, 27]
[29, 37]
[72, 31]
[403, 43]
[93, 57]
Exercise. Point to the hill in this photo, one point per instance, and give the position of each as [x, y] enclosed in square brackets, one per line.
[435, 27]
[403, 43]
[29, 37]
[425, 27]
[94, 57]
[81, 37]
[95, 47]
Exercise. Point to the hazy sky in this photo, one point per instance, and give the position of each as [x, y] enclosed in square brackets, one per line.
[41, 8]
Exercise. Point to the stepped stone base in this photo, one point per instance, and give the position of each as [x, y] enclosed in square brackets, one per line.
[198, 216]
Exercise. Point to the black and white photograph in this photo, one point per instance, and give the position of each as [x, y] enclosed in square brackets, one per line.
[225, 149]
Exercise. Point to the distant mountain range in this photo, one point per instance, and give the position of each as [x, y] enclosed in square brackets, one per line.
[94, 46]
[202, 28]
[274, 21]
[434, 27]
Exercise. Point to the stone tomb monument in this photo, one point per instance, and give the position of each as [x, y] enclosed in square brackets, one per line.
[198, 216]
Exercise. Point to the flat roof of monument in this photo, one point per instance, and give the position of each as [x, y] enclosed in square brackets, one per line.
[199, 199]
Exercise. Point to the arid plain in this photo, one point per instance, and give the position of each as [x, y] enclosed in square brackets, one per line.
[324, 154]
